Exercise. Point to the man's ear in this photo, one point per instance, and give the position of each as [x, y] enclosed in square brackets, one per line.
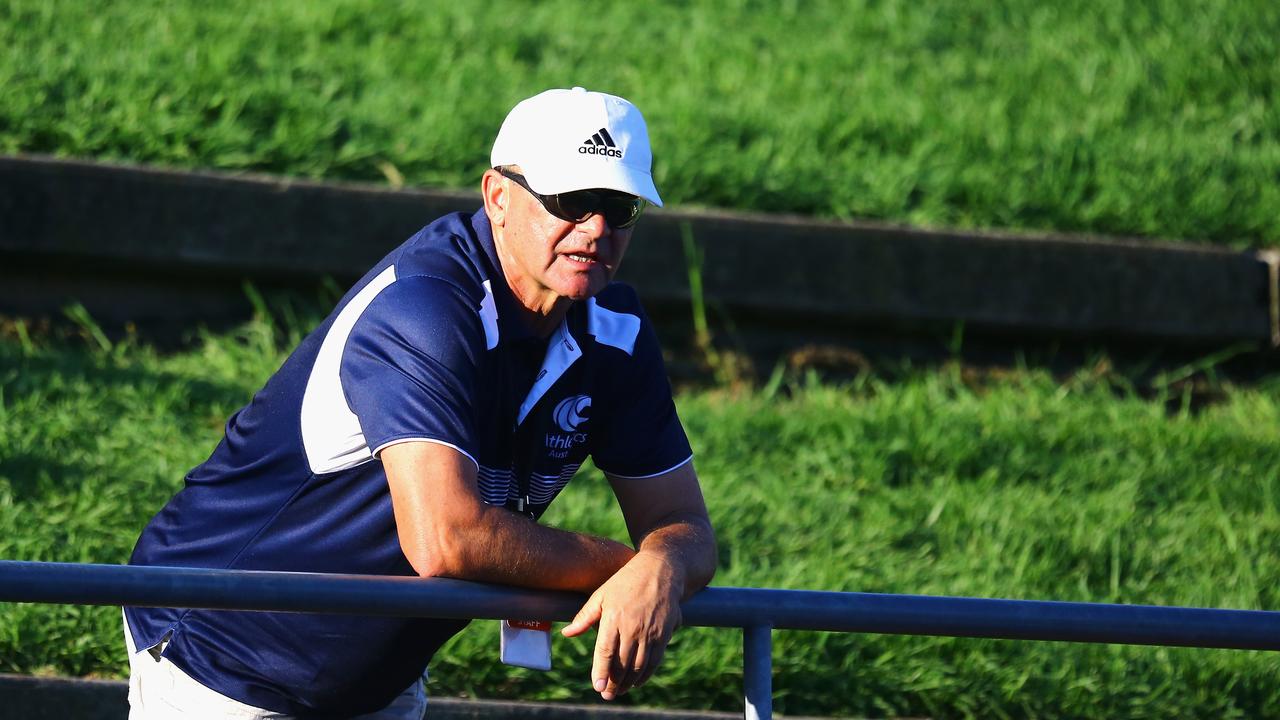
[493, 189]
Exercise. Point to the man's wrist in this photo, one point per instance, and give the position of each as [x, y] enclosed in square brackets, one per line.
[665, 566]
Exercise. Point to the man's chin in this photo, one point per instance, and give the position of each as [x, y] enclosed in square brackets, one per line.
[582, 295]
[580, 289]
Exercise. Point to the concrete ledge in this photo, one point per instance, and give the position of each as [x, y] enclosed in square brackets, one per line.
[54, 698]
[1023, 284]
[137, 243]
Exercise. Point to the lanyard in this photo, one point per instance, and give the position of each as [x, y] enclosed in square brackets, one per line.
[522, 471]
[520, 449]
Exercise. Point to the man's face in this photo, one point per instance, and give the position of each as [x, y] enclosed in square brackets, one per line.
[546, 257]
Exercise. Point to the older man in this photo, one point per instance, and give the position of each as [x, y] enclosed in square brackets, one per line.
[424, 427]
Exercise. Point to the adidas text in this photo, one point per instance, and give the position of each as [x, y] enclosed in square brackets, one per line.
[594, 150]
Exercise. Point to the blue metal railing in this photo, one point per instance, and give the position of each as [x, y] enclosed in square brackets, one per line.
[757, 611]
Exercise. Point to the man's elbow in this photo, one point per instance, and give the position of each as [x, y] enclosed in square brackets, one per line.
[695, 544]
[429, 563]
[440, 559]
[444, 551]
[458, 546]
[710, 554]
[424, 557]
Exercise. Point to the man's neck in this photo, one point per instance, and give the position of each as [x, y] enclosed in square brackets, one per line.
[541, 315]
[543, 325]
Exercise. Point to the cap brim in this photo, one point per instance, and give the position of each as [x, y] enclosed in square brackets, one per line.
[588, 174]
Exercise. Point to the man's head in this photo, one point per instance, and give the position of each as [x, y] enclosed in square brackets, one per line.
[572, 173]
[568, 140]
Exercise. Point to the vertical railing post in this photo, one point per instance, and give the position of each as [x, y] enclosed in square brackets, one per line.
[757, 671]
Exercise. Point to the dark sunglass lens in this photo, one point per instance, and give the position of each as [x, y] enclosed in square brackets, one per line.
[576, 206]
[622, 211]
[619, 210]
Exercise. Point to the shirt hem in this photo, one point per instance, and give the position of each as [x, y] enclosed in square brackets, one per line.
[651, 475]
[397, 441]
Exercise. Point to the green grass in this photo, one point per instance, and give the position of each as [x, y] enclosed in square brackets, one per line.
[1137, 117]
[1018, 485]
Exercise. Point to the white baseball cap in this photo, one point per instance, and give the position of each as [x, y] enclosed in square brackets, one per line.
[566, 140]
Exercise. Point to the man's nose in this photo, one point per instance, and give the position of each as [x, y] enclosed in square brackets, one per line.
[594, 226]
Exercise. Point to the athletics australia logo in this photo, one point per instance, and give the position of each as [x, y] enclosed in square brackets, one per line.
[572, 412]
[570, 415]
[601, 143]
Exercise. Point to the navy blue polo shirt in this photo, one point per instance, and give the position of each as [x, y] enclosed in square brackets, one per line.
[427, 346]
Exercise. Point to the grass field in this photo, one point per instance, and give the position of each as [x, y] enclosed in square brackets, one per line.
[1015, 485]
[1138, 117]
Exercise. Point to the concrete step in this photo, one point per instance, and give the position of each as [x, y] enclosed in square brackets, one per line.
[23, 697]
[139, 243]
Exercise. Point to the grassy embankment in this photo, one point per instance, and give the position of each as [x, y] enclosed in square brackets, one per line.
[1132, 117]
[1020, 486]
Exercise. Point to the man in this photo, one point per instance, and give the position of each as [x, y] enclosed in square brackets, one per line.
[422, 429]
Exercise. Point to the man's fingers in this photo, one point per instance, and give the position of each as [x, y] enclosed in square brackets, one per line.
[631, 665]
[602, 662]
[634, 663]
[589, 615]
[623, 673]
[653, 661]
[637, 664]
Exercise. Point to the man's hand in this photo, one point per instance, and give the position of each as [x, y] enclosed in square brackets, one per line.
[637, 609]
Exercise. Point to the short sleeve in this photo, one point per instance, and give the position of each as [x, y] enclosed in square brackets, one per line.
[643, 436]
[410, 364]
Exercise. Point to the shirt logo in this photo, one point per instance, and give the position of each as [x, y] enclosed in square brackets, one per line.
[572, 412]
[600, 143]
[570, 415]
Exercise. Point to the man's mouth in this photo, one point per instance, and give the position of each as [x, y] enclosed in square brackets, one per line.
[585, 259]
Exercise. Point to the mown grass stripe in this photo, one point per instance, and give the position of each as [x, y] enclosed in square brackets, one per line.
[1125, 118]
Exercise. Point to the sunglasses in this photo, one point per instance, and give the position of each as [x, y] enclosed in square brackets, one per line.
[619, 209]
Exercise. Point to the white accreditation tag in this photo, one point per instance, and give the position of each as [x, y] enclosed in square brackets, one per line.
[526, 643]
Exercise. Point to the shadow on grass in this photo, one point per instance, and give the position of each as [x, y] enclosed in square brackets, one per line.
[35, 474]
[52, 437]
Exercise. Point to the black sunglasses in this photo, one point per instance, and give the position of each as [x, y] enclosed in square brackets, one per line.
[619, 209]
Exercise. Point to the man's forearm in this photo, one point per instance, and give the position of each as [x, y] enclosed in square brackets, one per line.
[445, 530]
[510, 549]
[503, 547]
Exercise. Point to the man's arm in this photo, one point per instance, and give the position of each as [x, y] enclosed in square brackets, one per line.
[639, 607]
[446, 530]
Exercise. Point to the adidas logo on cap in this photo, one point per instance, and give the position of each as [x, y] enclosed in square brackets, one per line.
[600, 143]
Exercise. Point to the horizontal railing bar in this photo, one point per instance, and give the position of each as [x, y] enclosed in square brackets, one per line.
[713, 607]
